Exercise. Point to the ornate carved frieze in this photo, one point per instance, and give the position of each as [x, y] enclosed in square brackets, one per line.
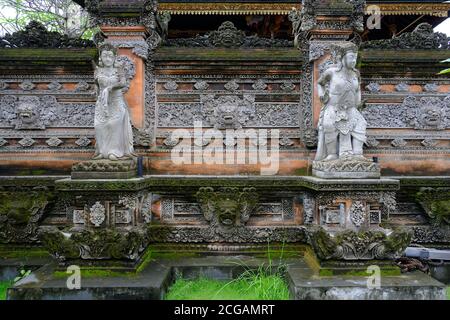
[140, 47]
[20, 213]
[416, 112]
[430, 234]
[436, 203]
[423, 37]
[228, 36]
[228, 112]
[40, 112]
[366, 245]
[247, 234]
[114, 244]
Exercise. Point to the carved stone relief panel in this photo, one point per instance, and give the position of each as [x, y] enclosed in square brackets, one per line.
[40, 112]
[230, 112]
[430, 113]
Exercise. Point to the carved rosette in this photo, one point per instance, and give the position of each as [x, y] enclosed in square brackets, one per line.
[97, 214]
[357, 213]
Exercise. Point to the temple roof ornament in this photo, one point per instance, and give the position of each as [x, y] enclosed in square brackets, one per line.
[423, 37]
[227, 36]
[36, 35]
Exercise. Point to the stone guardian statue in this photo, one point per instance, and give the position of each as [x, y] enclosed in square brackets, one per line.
[113, 131]
[342, 128]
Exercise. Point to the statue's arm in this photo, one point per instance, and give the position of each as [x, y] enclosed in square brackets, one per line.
[322, 87]
[122, 83]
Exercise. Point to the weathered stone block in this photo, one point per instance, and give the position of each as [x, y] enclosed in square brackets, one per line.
[104, 169]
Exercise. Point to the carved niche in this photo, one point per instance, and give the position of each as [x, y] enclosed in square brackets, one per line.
[228, 111]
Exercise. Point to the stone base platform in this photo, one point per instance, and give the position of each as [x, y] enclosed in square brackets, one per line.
[412, 286]
[104, 169]
[154, 279]
[346, 169]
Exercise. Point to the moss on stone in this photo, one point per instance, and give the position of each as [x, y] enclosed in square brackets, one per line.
[147, 257]
[47, 53]
[95, 273]
[19, 207]
[15, 253]
[358, 273]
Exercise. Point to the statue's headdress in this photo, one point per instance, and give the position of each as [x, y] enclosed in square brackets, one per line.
[341, 50]
[105, 46]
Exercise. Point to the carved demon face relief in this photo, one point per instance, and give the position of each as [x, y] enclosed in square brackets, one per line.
[431, 116]
[427, 112]
[27, 113]
[227, 207]
[227, 35]
[228, 111]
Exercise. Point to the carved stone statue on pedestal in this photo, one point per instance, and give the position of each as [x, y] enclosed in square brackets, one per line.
[113, 132]
[114, 153]
[342, 128]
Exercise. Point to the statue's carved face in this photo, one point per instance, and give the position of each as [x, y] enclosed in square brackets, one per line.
[431, 117]
[107, 58]
[350, 60]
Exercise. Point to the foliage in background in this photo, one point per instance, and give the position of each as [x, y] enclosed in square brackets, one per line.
[63, 16]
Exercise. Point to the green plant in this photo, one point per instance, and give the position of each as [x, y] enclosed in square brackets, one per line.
[267, 282]
[4, 285]
[22, 274]
[445, 71]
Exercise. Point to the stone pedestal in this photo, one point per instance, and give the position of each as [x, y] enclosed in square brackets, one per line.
[106, 220]
[104, 169]
[346, 169]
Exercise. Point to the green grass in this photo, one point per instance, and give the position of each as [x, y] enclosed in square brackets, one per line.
[263, 283]
[4, 285]
[263, 288]
[448, 293]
